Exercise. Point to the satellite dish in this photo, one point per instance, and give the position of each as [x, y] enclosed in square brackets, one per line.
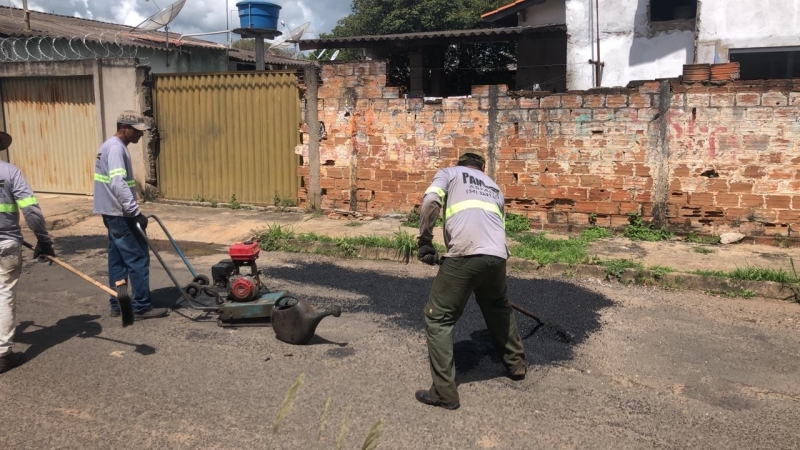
[161, 18]
[335, 54]
[293, 36]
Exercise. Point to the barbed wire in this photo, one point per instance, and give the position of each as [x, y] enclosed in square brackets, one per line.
[88, 46]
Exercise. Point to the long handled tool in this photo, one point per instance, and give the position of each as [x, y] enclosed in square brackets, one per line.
[121, 293]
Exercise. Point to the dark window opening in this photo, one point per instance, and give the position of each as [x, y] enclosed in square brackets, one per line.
[667, 10]
[767, 65]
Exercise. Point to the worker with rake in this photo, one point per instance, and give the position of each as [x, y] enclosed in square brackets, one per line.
[15, 195]
[474, 233]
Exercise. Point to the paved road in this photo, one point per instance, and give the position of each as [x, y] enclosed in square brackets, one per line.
[649, 368]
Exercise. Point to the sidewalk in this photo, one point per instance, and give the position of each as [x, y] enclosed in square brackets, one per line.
[69, 215]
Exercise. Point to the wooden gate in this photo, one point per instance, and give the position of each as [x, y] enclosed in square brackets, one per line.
[54, 125]
[228, 135]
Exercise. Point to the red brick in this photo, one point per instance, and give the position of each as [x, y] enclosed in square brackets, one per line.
[383, 174]
[327, 183]
[751, 201]
[514, 192]
[586, 207]
[335, 172]
[628, 208]
[547, 179]
[740, 188]
[595, 101]
[591, 181]
[640, 101]
[698, 100]
[608, 208]
[391, 186]
[678, 198]
[571, 101]
[596, 195]
[722, 99]
[778, 201]
[399, 175]
[787, 216]
[727, 200]
[753, 172]
[342, 183]
[616, 101]
[774, 99]
[552, 101]
[363, 174]
[748, 99]
[621, 196]
[701, 199]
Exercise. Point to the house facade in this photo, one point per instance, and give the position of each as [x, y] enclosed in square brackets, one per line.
[651, 39]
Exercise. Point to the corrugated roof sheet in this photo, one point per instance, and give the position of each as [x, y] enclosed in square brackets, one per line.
[12, 24]
[474, 35]
[510, 8]
[248, 56]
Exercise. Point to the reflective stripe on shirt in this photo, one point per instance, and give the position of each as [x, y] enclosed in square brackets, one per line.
[117, 173]
[470, 204]
[102, 178]
[438, 191]
[27, 201]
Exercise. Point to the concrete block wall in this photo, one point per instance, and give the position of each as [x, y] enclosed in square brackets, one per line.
[703, 158]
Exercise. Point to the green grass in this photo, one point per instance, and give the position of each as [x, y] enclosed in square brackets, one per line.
[412, 219]
[697, 239]
[516, 223]
[615, 267]
[278, 238]
[660, 271]
[638, 230]
[703, 250]
[354, 223]
[540, 248]
[751, 273]
[741, 293]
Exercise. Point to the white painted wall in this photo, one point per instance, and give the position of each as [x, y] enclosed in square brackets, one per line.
[551, 12]
[628, 48]
[748, 24]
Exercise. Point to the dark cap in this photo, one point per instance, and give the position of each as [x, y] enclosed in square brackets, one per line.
[5, 140]
[475, 155]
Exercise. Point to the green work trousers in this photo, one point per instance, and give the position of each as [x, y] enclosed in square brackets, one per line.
[456, 280]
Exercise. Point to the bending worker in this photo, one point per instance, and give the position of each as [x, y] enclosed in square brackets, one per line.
[15, 195]
[474, 233]
[115, 200]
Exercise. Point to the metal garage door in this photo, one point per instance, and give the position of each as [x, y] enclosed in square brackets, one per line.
[54, 125]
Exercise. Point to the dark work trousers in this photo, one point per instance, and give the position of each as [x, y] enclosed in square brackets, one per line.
[128, 256]
[457, 279]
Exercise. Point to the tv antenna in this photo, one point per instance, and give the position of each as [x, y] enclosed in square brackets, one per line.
[161, 19]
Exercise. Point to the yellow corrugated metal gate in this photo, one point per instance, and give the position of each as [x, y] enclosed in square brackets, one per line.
[54, 125]
[228, 134]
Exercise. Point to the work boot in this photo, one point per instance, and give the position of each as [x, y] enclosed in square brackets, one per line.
[152, 313]
[423, 396]
[114, 313]
[517, 373]
[11, 360]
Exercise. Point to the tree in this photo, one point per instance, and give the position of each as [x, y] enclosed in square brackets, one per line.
[464, 65]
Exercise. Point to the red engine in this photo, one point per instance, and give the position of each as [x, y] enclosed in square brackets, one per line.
[244, 252]
[244, 288]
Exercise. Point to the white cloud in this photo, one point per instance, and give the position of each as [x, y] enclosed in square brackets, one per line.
[197, 16]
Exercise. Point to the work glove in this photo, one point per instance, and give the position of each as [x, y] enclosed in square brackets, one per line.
[427, 253]
[141, 219]
[42, 250]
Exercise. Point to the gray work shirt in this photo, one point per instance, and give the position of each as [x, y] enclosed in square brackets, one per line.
[16, 195]
[474, 213]
[114, 186]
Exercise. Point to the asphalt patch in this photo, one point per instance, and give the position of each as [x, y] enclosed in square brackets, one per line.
[401, 300]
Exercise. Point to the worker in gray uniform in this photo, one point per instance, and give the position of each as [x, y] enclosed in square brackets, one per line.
[15, 195]
[475, 237]
[115, 200]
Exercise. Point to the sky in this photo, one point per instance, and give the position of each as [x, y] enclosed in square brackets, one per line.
[197, 16]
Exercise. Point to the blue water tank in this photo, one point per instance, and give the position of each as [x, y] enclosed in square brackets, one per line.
[258, 14]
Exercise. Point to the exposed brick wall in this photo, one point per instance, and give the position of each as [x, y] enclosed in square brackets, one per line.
[708, 158]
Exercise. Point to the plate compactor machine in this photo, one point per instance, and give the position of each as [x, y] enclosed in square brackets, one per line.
[236, 293]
